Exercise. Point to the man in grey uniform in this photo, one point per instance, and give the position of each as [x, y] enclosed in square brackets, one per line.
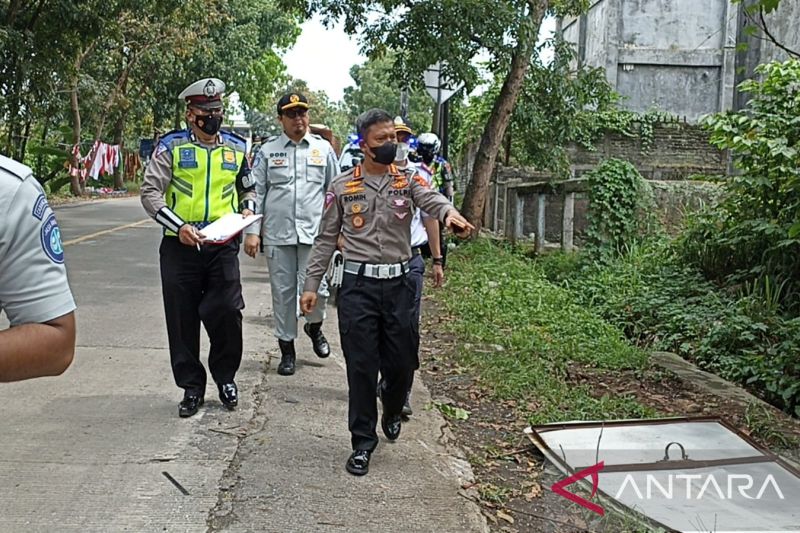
[34, 291]
[291, 173]
[371, 207]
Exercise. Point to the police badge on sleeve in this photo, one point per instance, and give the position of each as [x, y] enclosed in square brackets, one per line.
[51, 240]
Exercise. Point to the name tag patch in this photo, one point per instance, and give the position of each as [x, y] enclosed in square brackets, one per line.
[187, 158]
[39, 207]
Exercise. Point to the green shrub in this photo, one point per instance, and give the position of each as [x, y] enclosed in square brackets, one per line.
[662, 304]
[620, 208]
[755, 230]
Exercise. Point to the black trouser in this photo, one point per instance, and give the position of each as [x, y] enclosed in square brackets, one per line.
[202, 286]
[416, 273]
[378, 333]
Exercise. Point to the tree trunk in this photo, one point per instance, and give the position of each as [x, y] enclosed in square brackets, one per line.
[39, 165]
[178, 115]
[75, 183]
[23, 142]
[499, 118]
[119, 128]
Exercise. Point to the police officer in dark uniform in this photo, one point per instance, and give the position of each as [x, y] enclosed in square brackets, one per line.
[371, 206]
[196, 176]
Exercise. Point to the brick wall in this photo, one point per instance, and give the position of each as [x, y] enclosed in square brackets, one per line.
[678, 150]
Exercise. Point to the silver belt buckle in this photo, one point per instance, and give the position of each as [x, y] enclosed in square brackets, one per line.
[384, 271]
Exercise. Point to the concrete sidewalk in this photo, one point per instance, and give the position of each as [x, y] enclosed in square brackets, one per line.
[288, 472]
[101, 448]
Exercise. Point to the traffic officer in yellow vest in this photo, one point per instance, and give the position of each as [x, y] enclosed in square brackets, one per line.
[371, 206]
[291, 173]
[196, 176]
[34, 292]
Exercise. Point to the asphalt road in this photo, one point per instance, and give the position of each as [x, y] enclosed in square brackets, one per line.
[101, 448]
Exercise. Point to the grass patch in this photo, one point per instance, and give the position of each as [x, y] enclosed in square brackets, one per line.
[521, 333]
[739, 333]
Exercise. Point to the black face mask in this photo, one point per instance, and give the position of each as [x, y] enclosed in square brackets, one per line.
[210, 124]
[385, 153]
[425, 155]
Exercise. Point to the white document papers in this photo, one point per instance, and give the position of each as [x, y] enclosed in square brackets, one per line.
[224, 229]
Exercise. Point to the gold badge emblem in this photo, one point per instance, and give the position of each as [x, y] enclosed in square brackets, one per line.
[400, 184]
[358, 221]
[315, 152]
[356, 209]
[294, 99]
[229, 157]
[353, 190]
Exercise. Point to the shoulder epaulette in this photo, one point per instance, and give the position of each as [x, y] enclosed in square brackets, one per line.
[233, 136]
[15, 168]
[172, 135]
[354, 173]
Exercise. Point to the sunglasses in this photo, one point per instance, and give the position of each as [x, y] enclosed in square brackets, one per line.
[294, 113]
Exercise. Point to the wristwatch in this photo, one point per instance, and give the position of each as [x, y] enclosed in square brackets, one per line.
[438, 260]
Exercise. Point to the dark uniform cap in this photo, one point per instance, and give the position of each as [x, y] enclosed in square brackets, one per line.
[205, 94]
[291, 100]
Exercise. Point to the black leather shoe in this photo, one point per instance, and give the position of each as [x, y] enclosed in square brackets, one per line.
[229, 395]
[358, 464]
[318, 340]
[407, 407]
[391, 425]
[189, 405]
[288, 357]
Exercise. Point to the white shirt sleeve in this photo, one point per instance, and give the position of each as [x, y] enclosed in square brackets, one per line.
[33, 278]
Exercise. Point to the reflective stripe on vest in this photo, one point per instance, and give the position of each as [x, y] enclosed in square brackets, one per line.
[203, 185]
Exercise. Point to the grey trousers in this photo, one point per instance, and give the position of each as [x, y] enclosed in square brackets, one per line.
[287, 274]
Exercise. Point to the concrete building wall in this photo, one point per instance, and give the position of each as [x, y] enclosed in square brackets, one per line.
[672, 25]
[678, 56]
[597, 26]
[784, 23]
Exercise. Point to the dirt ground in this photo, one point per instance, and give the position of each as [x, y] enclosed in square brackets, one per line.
[511, 475]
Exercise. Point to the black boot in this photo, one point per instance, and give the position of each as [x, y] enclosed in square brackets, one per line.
[286, 366]
[320, 343]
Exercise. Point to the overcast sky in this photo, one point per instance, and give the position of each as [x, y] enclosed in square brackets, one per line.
[311, 59]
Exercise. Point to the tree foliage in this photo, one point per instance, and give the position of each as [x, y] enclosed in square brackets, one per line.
[422, 33]
[557, 106]
[755, 232]
[377, 84]
[112, 70]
